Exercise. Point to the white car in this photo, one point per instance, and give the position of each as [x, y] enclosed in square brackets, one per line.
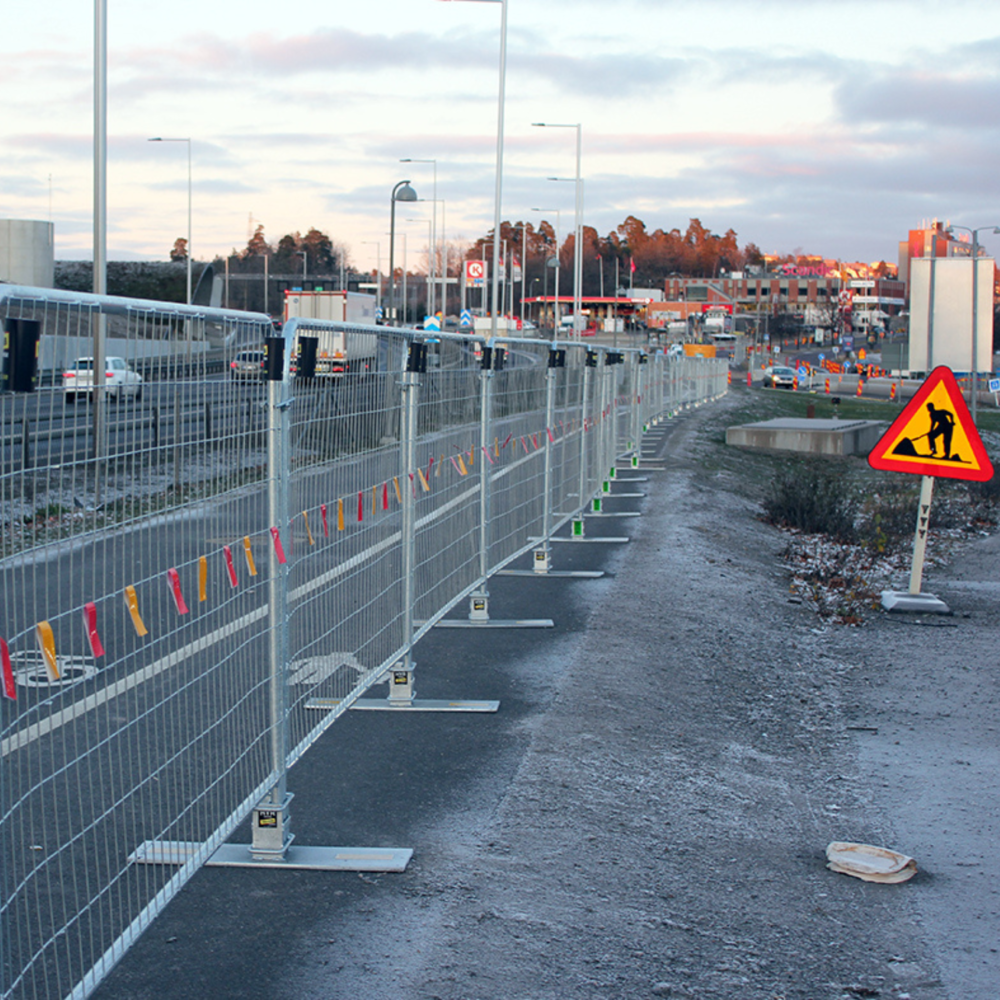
[118, 377]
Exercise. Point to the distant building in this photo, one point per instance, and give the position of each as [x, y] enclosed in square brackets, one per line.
[27, 252]
[816, 293]
[931, 240]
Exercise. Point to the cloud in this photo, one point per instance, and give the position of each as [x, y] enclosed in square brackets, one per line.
[925, 98]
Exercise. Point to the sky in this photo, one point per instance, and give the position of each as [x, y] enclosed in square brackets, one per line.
[804, 126]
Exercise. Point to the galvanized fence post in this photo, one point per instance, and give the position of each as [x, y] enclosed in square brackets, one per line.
[479, 599]
[577, 525]
[271, 819]
[401, 677]
[557, 360]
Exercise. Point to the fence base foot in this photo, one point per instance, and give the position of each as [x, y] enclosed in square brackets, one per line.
[424, 705]
[615, 496]
[494, 623]
[333, 859]
[583, 574]
[479, 617]
[608, 513]
[577, 539]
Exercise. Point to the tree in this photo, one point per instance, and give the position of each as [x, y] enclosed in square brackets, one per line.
[257, 246]
[180, 249]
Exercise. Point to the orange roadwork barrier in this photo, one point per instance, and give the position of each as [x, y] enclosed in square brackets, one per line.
[828, 386]
[892, 391]
[861, 383]
[749, 380]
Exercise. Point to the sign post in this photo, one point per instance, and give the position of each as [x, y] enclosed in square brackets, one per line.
[933, 436]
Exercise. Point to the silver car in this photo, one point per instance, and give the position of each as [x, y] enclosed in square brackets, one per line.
[119, 378]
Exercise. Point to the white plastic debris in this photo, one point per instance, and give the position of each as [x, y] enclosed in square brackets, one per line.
[873, 864]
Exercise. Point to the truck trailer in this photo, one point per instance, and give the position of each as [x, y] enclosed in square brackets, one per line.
[337, 351]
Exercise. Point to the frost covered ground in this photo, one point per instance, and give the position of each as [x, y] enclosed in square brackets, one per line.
[647, 814]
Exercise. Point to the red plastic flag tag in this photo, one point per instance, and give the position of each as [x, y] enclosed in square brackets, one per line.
[174, 580]
[230, 568]
[90, 625]
[278, 550]
[9, 687]
[326, 527]
[486, 452]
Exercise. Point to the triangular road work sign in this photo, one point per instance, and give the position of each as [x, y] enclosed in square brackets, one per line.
[934, 435]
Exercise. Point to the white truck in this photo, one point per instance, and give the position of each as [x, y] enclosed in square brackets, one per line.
[337, 351]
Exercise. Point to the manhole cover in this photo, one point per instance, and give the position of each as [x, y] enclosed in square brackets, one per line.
[29, 670]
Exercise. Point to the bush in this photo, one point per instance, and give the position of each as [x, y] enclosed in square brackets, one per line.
[810, 497]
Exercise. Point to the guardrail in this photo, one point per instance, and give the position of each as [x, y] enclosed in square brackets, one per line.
[190, 601]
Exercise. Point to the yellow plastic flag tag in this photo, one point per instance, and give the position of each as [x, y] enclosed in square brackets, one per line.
[251, 566]
[47, 647]
[132, 603]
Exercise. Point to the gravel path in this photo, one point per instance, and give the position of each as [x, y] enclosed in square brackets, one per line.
[653, 821]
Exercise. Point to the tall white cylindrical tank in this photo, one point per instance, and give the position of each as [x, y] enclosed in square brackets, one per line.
[27, 252]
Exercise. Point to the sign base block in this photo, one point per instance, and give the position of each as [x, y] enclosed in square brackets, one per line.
[919, 604]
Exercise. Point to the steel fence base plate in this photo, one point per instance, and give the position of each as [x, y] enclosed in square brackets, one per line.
[495, 622]
[588, 574]
[424, 705]
[611, 513]
[900, 600]
[615, 496]
[578, 540]
[343, 859]
[632, 479]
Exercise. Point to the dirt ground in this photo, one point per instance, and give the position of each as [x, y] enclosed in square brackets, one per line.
[689, 752]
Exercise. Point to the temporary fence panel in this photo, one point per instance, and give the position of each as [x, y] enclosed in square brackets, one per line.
[138, 664]
[195, 550]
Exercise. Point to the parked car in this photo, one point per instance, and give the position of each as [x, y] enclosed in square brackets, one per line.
[779, 377]
[119, 378]
[247, 365]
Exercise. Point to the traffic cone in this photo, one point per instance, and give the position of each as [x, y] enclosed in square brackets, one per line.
[749, 380]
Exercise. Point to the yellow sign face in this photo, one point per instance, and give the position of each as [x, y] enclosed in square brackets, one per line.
[934, 435]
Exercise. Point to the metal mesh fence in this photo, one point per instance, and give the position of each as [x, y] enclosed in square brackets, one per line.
[192, 553]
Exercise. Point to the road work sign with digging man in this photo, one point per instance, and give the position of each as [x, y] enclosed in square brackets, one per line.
[934, 435]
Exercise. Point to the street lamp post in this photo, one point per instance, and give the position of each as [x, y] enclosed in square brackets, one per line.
[432, 255]
[578, 222]
[188, 255]
[427, 223]
[577, 260]
[305, 258]
[378, 269]
[498, 190]
[401, 192]
[974, 369]
[555, 314]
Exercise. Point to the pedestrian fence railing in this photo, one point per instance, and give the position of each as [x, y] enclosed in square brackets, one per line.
[200, 577]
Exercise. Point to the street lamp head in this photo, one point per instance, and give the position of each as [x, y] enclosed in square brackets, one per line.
[403, 192]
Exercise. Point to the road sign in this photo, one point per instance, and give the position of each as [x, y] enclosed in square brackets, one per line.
[432, 323]
[475, 273]
[934, 435]
[802, 371]
[994, 385]
[465, 319]
[822, 357]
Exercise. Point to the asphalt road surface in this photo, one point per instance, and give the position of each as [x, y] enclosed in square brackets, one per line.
[647, 813]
